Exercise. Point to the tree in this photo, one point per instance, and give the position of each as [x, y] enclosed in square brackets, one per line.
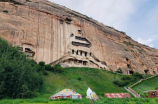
[18, 76]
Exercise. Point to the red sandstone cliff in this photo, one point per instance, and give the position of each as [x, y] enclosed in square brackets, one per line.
[54, 34]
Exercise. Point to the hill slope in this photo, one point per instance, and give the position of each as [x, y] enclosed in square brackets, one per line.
[147, 85]
[79, 79]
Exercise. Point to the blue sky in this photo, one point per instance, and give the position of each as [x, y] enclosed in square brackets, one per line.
[137, 18]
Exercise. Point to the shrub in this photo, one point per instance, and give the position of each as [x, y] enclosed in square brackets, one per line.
[119, 71]
[48, 67]
[126, 78]
[79, 79]
[45, 73]
[128, 43]
[138, 75]
[121, 83]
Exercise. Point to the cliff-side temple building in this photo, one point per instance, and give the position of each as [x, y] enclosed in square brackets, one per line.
[48, 32]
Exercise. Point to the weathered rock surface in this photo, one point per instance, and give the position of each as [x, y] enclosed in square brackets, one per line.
[52, 33]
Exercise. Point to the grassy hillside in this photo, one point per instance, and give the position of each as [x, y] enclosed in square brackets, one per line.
[79, 79]
[150, 84]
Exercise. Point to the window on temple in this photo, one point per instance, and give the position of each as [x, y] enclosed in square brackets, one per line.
[68, 21]
[72, 51]
[79, 31]
[61, 21]
[81, 53]
[85, 53]
[77, 53]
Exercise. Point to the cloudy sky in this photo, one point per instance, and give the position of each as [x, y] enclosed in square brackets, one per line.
[137, 18]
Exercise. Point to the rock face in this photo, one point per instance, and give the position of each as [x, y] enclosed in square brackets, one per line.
[52, 33]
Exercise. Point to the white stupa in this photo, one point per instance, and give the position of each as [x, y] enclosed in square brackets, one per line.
[89, 91]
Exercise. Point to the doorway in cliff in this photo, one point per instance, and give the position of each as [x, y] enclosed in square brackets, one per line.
[90, 54]
[146, 71]
[77, 53]
[81, 53]
[68, 21]
[128, 65]
[131, 72]
[154, 72]
[79, 31]
[85, 53]
[73, 51]
[61, 21]
[85, 63]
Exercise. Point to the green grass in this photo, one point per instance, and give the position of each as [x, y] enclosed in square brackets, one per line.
[98, 80]
[82, 101]
[150, 84]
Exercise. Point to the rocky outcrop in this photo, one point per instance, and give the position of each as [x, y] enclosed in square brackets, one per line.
[52, 33]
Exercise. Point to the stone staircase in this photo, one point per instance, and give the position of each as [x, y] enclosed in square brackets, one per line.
[135, 94]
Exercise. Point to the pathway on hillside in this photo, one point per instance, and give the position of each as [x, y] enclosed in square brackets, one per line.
[134, 93]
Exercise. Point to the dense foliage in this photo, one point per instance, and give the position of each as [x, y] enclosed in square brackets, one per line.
[41, 67]
[128, 79]
[18, 76]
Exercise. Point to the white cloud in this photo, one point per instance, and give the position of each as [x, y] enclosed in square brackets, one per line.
[110, 12]
[146, 42]
[138, 18]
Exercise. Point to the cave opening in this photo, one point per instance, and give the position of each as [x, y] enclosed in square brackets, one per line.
[146, 71]
[90, 54]
[131, 72]
[71, 35]
[73, 51]
[154, 72]
[61, 21]
[128, 65]
[68, 21]
[79, 31]
[85, 53]
[81, 53]
[77, 53]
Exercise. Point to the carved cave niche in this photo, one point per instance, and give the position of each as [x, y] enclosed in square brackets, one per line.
[68, 21]
[73, 51]
[76, 52]
[131, 72]
[85, 63]
[79, 31]
[146, 71]
[61, 21]
[154, 72]
[90, 54]
[28, 49]
[71, 35]
[85, 53]
[128, 65]
[80, 53]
